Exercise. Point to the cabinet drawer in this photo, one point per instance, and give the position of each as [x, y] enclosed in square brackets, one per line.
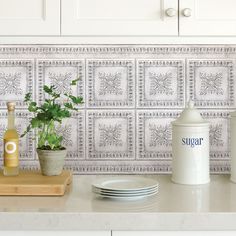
[173, 233]
[56, 233]
[207, 18]
[119, 17]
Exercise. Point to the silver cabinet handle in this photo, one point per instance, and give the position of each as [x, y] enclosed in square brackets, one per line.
[170, 12]
[187, 12]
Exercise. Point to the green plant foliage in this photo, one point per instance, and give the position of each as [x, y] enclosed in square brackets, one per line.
[48, 114]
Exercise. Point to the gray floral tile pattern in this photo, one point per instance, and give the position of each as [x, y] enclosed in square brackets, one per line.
[132, 94]
[160, 83]
[16, 79]
[211, 82]
[110, 134]
[110, 83]
[219, 133]
[60, 73]
[72, 131]
[154, 134]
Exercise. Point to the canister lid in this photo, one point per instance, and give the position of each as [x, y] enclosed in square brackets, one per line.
[190, 117]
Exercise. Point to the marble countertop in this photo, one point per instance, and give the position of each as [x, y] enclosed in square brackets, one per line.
[176, 207]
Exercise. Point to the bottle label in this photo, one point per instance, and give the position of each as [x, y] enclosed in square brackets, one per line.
[11, 152]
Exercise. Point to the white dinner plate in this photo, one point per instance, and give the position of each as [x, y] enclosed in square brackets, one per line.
[128, 190]
[97, 190]
[125, 194]
[127, 197]
[125, 183]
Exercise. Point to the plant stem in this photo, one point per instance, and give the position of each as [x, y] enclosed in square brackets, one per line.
[47, 131]
[41, 136]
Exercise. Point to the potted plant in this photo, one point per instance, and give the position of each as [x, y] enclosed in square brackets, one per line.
[46, 117]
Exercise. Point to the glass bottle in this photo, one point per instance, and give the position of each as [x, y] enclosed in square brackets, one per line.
[11, 144]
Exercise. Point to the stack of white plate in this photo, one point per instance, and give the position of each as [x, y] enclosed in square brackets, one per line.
[125, 187]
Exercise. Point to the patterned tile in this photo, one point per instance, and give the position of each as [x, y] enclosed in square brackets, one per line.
[73, 132]
[120, 167]
[120, 49]
[110, 83]
[160, 83]
[219, 133]
[220, 166]
[110, 135]
[27, 145]
[211, 82]
[16, 79]
[114, 75]
[60, 73]
[154, 134]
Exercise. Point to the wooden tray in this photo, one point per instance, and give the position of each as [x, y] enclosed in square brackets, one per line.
[32, 183]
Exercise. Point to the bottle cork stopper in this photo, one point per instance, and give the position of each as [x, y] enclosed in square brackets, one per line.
[11, 106]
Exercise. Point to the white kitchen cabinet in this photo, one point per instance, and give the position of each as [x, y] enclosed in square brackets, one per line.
[207, 17]
[173, 233]
[56, 233]
[115, 18]
[29, 17]
[119, 17]
[148, 18]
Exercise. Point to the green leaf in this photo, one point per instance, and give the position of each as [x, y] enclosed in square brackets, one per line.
[55, 95]
[32, 107]
[74, 82]
[76, 100]
[70, 106]
[54, 141]
[27, 97]
[35, 122]
[47, 89]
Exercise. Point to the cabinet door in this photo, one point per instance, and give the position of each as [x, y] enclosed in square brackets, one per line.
[29, 17]
[119, 17]
[208, 17]
[56, 233]
[173, 233]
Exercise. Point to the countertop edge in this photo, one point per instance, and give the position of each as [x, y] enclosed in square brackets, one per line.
[117, 221]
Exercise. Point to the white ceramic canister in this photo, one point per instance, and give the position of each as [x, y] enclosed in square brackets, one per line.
[190, 148]
[233, 146]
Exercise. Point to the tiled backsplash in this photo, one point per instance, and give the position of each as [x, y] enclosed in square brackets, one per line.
[132, 93]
